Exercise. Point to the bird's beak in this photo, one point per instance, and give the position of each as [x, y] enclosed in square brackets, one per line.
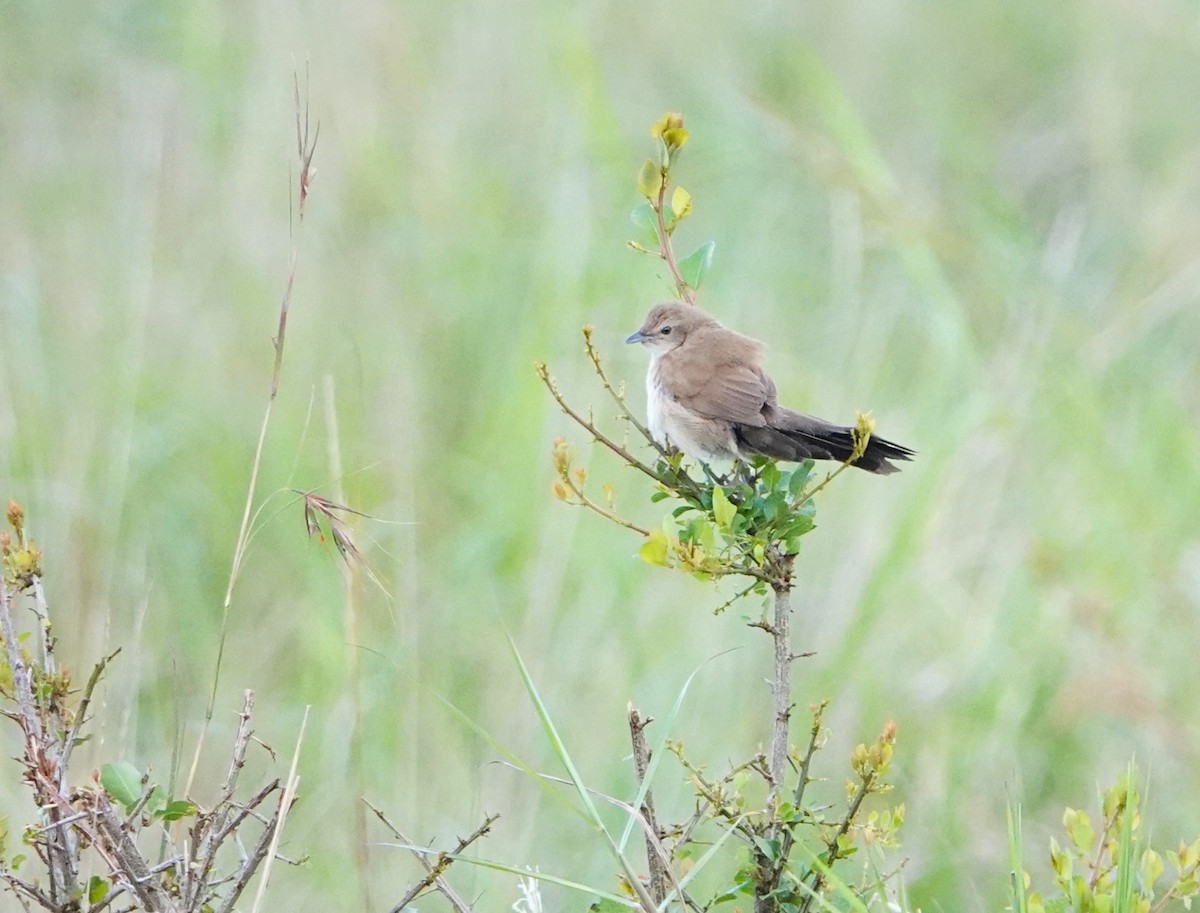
[636, 337]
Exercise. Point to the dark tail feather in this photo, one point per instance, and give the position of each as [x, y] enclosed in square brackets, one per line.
[794, 436]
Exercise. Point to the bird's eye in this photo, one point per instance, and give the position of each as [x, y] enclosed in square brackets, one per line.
[666, 331]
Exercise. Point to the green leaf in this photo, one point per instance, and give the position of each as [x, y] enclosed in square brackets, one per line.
[694, 267]
[176, 809]
[768, 848]
[654, 549]
[799, 479]
[646, 222]
[1151, 869]
[649, 180]
[97, 890]
[607, 906]
[723, 509]
[158, 800]
[585, 795]
[123, 782]
[797, 526]
[1060, 861]
[1079, 828]
[681, 203]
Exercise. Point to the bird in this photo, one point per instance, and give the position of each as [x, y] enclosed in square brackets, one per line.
[708, 396]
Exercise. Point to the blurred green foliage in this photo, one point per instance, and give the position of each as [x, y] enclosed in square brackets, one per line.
[977, 220]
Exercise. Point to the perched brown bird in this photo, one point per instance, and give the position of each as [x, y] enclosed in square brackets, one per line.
[707, 395]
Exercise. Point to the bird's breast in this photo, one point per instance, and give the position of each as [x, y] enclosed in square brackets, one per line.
[673, 423]
[655, 403]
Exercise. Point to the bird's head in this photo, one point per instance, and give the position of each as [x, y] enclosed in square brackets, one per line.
[667, 326]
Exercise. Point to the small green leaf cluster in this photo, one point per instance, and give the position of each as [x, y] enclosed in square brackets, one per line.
[744, 524]
[129, 786]
[22, 561]
[1112, 868]
[657, 217]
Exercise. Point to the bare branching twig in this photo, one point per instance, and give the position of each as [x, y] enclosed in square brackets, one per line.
[436, 869]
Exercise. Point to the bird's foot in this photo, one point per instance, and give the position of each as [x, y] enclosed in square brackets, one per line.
[746, 474]
[712, 476]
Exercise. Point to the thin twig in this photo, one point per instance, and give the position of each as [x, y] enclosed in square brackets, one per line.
[129, 866]
[251, 862]
[111, 896]
[594, 356]
[81, 715]
[22, 678]
[584, 501]
[664, 241]
[806, 763]
[25, 892]
[833, 847]
[140, 806]
[443, 861]
[713, 793]
[460, 905]
[45, 634]
[789, 834]
[544, 373]
[285, 805]
[740, 594]
[247, 810]
[861, 440]
[237, 758]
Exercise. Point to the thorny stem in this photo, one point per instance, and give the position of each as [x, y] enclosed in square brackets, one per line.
[44, 630]
[460, 906]
[21, 675]
[713, 794]
[740, 594]
[41, 766]
[833, 848]
[789, 836]
[806, 764]
[443, 862]
[81, 714]
[641, 762]
[781, 684]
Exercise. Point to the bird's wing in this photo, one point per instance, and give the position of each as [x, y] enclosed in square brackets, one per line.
[731, 387]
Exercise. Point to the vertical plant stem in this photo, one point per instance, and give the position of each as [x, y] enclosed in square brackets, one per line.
[666, 251]
[305, 151]
[641, 761]
[781, 685]
[777, 758]
[351, 616]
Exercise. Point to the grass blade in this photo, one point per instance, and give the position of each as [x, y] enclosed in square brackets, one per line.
[564, 757]
[1016, 870]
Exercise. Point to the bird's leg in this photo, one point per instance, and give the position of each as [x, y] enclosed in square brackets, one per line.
[745, 473]
[715, 479]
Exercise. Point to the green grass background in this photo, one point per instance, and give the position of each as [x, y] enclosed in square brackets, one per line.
[979, 221]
